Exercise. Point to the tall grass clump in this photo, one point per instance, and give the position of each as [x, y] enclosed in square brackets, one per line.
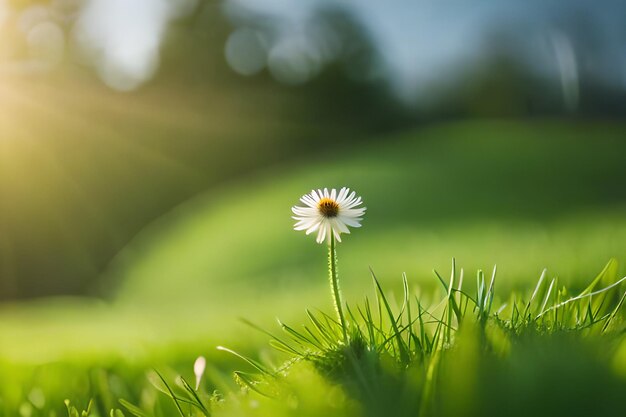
[409, 355]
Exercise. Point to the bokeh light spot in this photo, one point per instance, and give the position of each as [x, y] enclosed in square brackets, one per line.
[245, 52]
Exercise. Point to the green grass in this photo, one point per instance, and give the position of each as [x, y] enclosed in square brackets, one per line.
[464, 352]
[525, 196]
[409, 359]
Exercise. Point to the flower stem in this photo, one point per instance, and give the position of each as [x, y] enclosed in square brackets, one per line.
[334, 285]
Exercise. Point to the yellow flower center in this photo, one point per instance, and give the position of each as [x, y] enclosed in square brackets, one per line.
[328, 207]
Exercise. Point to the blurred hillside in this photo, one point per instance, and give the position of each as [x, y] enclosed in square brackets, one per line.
[522, 195]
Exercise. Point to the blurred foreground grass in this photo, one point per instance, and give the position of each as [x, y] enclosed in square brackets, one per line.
[524, 195]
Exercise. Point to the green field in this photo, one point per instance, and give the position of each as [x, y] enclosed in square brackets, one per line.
[522, 195]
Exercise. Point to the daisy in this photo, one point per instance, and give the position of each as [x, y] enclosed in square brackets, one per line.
[328, 213]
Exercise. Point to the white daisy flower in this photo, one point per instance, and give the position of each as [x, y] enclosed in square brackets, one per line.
[328, 212]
